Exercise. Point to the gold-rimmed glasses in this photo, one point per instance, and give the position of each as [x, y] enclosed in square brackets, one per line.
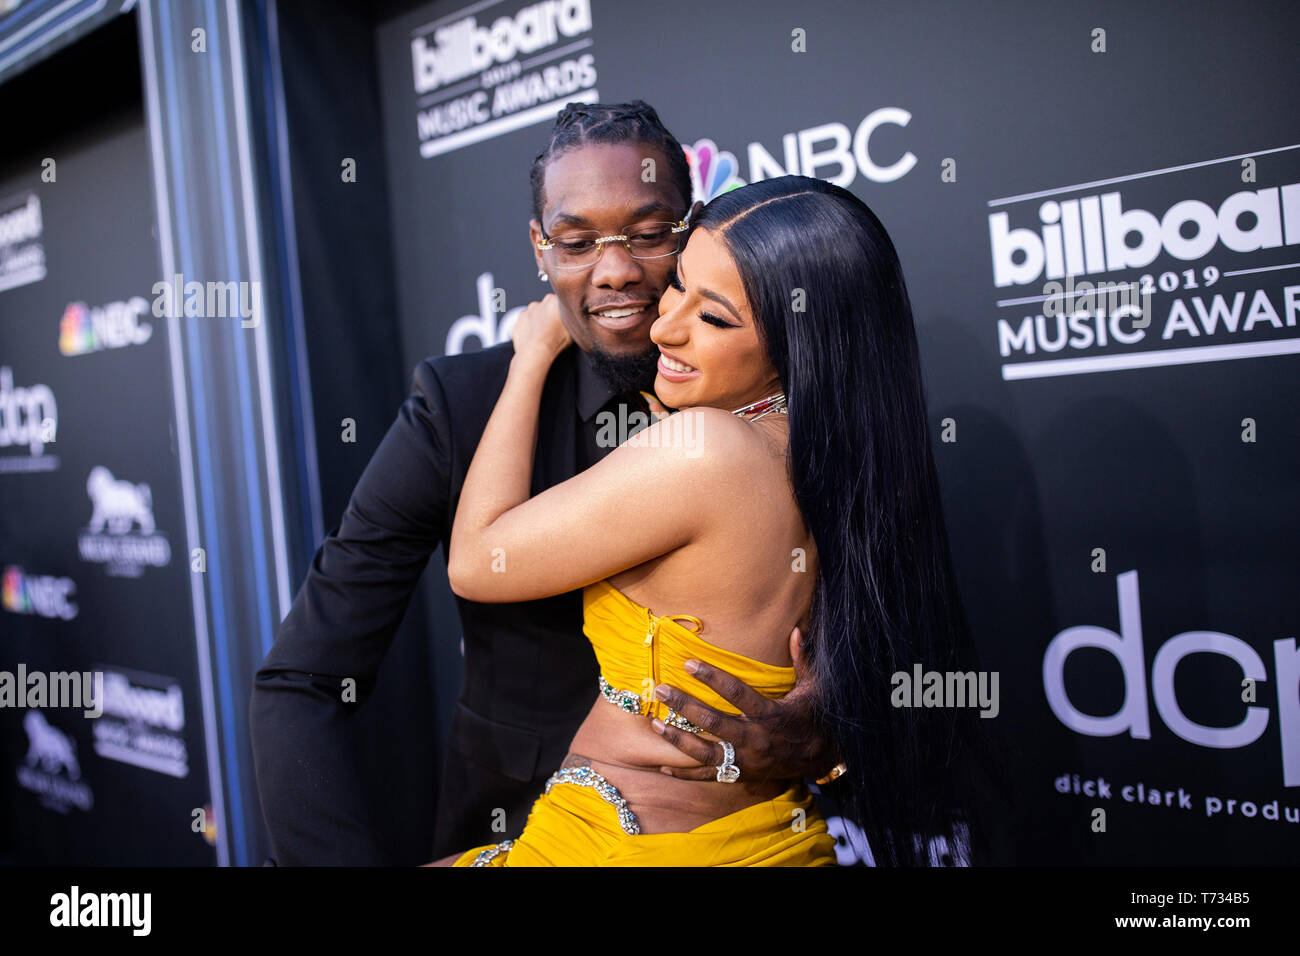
[581, 248]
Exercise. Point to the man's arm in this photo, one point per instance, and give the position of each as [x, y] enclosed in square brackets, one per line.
[339, 628]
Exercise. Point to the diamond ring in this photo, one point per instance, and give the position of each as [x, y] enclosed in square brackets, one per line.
[728, 772]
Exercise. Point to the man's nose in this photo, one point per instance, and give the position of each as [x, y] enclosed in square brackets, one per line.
[616, 268]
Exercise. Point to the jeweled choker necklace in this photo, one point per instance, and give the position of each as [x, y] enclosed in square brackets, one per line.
[772, 405]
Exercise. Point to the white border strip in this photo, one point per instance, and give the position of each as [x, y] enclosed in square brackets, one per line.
[1123, 179]
[1112, 363]
[1247, 272]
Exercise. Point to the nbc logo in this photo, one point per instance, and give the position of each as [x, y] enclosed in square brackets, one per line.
[113, 326]
[831, 151]
[713, 170]
[40, 594]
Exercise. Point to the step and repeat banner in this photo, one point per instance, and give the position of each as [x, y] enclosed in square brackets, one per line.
[102, 742]
[1098, 214]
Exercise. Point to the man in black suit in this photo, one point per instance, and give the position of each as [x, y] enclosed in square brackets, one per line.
[530, 674]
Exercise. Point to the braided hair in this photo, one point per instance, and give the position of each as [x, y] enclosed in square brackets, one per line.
[579, 124]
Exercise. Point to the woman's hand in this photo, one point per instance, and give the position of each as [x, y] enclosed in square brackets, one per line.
[539, 332]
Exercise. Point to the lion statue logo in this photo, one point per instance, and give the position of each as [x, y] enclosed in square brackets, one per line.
[49, 747]
[118, 504]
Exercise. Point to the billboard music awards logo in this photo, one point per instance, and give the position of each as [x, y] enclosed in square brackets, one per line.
[40, 594]
[121, 533]
[477, 81]
[50, 768]
[29, 420]
[1117, 285]
[113, 326]
[143, 722]
[22, 256]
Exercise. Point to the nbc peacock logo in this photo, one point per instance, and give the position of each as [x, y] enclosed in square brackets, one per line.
[75, 333]
[13, 598]
[45, 595]
[713, 170]
[84, 329]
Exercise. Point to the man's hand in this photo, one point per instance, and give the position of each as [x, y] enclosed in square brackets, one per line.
[774, 739]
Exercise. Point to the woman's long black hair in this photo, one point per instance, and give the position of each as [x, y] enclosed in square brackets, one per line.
[827, 291]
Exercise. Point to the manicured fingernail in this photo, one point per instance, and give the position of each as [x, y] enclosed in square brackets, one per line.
[648, 397]
[665, 770]
[692, 667]
[661, 692]
[658, 725]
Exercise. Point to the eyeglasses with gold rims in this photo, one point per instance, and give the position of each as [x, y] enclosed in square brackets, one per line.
[581, 248]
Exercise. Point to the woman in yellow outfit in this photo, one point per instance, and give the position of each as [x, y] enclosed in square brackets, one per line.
[586, 825]
[794, 487]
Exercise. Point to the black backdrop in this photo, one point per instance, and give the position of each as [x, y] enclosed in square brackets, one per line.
[138, 771]
[1049, 461]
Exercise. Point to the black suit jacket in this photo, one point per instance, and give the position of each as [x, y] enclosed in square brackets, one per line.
[530, 674]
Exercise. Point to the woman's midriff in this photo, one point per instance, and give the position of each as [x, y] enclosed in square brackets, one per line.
[625, 750]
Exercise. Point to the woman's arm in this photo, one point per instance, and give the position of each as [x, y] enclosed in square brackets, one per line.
[645, 499]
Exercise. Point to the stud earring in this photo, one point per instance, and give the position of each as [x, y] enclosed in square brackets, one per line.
[542, 275]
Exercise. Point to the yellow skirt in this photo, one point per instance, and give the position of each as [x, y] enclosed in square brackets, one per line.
[574, 826]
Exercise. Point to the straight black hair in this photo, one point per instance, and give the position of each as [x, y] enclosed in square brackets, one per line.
[833, 314]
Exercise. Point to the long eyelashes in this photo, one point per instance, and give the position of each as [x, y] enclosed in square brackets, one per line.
[713, 320]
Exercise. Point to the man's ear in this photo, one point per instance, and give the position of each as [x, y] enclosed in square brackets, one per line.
[534, 237]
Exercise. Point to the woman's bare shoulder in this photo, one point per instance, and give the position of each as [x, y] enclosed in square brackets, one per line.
[710, 436]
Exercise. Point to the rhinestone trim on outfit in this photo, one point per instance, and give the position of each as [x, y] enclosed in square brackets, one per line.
[586, 777]
[582, 777]
[492, 853]
[622, 699]
[635, 704]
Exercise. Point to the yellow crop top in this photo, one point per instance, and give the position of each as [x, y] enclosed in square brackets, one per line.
[637, 650]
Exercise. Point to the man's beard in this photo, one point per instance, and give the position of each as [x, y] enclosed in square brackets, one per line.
[627, 373]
